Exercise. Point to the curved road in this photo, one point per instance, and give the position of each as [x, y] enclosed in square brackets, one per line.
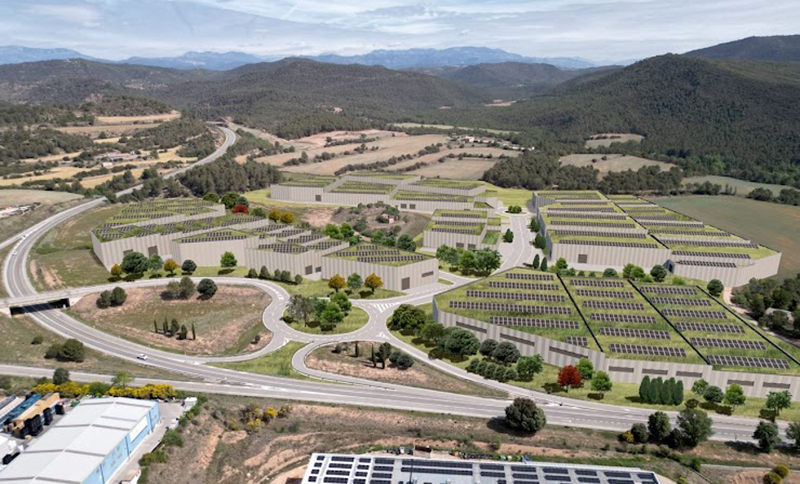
[342, 390]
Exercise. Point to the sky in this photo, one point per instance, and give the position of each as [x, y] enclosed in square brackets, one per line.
[597, 30]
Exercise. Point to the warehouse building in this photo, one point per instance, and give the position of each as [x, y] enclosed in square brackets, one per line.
[390, 469]
[398, 269]
[466, 229]
[88, 445]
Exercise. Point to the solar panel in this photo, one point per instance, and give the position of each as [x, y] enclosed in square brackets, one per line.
[685, 291]
[623, 318]
[738, 344]
[531, 286]
[701, 263]
[577, 341]
[534, 322]
[588, 233]
[453, 231]
[284, 248]
[634, 333]
[596, 283]
[369, 253]
[681, 301]
[392, 258]
[522, 296]
[540, 276]
[709, 243]
[728, 255]
[599, 216]
[748, 361]
[606, 225]
[602, 293]
[670, 223]
[581, 209]
[608, 243]
[462, 215]
[647, 350]
[461, 223]
[710, 327]
[700, 233]
[509, 307]
[694, 313]
[625, 306]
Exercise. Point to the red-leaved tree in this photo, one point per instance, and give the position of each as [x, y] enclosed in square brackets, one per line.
[241, 209]
[569, 376]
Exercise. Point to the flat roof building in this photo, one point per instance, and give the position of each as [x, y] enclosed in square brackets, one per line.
[370, 469]
[88, 445]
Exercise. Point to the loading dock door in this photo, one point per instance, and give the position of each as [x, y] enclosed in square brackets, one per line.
[405, 283]
[583, 258]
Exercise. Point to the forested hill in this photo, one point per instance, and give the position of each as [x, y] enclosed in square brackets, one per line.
[739, 119]
[509, 80]
[779, 48]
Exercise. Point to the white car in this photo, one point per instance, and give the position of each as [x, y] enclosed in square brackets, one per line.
[141, 356]
[14, 253]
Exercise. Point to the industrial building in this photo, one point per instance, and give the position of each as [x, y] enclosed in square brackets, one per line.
[598, 231]
[399, 270]
[391, 469]
[88, 445]
[406, 192]
[31, 415]
[466, 229]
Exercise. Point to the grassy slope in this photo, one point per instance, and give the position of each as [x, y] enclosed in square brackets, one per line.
[352, 322]
[276, 363]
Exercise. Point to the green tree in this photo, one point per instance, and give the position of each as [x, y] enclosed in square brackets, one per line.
[121, 379]
[535, 261]
[659, 426]
[194, 333]
[301, 308]
[734, 395]
[407, 318]
[118, 296]
[174, 327]
[211, 197]
[777, 401]
[229, 200]
[134, 263]
[561, 264]
[60, 376]
[529, 366]
[104, 300]
[524, 415]
[405, 242]
[207, 288]
[640, 433]
[331, 316]
[342, 301]
[601, 382]
[354, 282]
[155, 263]
[586, 368]
[508, 237]
[793, 433]
[713, 394]
[347, 231]
[695, 426]
[767, 436]
[715, 287]
[487, 347]
[610, 273]
[644, 389]
[659, 273]
[506, 353]
[467, 262]
[188, 266]
[543, 267]
[432, 332]
[699, 387]
[228, 260]
[73, 350]
[460, 343]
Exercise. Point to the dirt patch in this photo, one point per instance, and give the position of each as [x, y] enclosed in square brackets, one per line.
[319, 217]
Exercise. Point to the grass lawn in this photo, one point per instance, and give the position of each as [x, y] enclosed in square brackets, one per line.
[511, 196]
[275, 363]
[352, 322]
[773, 225]
[17, 333]
[224, 325]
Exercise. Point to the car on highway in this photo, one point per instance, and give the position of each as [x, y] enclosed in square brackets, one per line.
[141, 356]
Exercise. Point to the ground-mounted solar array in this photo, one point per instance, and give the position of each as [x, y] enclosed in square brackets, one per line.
[587, 233]
[600, 293]
[648, 350]
[705, 263]
[216, 236]
[379, 254]
[634, 333]
[680, 301]
[434, 197]
[531, 286]
[312, 181]
[616, 305]
[363, 187]
[609, 243]
[284, 248]
[521, 296]
[581, 223]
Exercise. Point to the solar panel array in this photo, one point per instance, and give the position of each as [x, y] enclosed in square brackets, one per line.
[694, 313]
[462, 215]
[307, 238]
[392, 258]
[368, 253]
[588, 233]
[671, 223]
[727, 255]
[577, 341]
[601, 216]
[509, 307]
[522, 296]
[672, 291]
[215, 237]
[703, 263]
[454, 231]
[534, 322]
[710, 327]
[530, 286]
[325, 244]
[624, 306]
[681, 301]
[284, 248]
[702, 233]
[606, 225]
[290, 232]
[581, 209]
[602, 293]
[710, 243]
[623, 318]
[738, 344]
[748, 362]
[607, 243]
[647, 350]
[529, 276]
[462, 223]
[596, 283]
[634, 333]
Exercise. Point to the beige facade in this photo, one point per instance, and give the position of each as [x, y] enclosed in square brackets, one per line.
[608, 256]
[394, 277]
[732, 273]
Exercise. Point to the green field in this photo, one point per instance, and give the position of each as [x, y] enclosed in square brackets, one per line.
[354, 321]
[742, 187]
[775, 226]
[276, 363]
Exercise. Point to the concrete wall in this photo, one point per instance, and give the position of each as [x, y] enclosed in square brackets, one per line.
[381, 180]
[304, 263]
[295, 194]
[209, 253]
[730, 276]
[430, 206]
[608, 256]
[435, 239]
[391, 276]
[353, 199]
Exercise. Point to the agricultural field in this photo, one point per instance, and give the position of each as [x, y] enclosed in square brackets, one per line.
[226, 324]
[464, 169]
[447, 126]
[120, 125]
[607, 139]
[772, 225]
[611, 163]
[51, 203]
[742, 187]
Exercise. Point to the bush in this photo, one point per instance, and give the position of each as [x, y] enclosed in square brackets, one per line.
[640, 433]
[772, 478]
[172, 438]
[37, 340]
[781, 470]
[53, 351]
[524, 415]
[73, 350]
[207, 288]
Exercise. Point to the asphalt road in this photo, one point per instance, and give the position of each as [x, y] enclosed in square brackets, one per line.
[341, 390]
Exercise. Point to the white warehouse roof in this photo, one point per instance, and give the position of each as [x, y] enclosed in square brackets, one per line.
[77, 444]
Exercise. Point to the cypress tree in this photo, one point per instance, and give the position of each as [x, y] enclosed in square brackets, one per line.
[194, 335]
[644, 389]
[165, 325]
[677, 395]
[356, 349]
[372, 357]
[155, 325]
[544, 264]
[656, 388]
[536, 262]
[666, 391]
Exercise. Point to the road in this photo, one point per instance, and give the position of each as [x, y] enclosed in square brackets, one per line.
[341, 390]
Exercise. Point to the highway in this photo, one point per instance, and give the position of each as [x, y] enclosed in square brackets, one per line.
[327, 387]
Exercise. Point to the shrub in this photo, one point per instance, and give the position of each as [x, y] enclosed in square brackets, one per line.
[37, 340]
[772, 478]
[53, 351]
[207, 288]
[524, 415]
[781, 470]
[640, 433]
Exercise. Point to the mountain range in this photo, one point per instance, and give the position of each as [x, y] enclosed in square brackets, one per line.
[778, 48]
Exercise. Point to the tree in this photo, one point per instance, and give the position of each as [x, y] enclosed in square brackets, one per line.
[155, 263]
[134, 263]
[460, 343]
[401, 360]
[467, 262]
[781, 470]
[602, 382]
[104, 300]
[274, 215]
[174, 327]
[228, 260]
[170, 266]
[347, 231]
[432, 332]
[407, 318]
[715, 287]
[183, 332]
[331, 315]
[713, 394]
[695, 426]
[342, 301]
[487, 260]
[561, 264]
[793, 433]
[640, 433]
[229, 200]
[332, 231]
[659, 273]
[771, 477]
[569, 376]
[659, 426]
[610, 273]
[506, 353]
[767, 435]
[508, 236]
[354, 282]
[586, 368]
[337, 282]
[118, 296]
[373, 282]
[298, 279]
[73, 350]
[188, 266]
[207, 288]
[734, 395]
[543, 267]
[487, 347]
[194, 333]
[699, 387]
[301, 308]
[241, 209]
[287, 217]
[524, 415]
[264, 273]
[405, 242]
[259, 212]
[116, 271]
[384, 353]
[121, 379]
[644, 389]
[60, 376]
[535, 262]
[211, 197]
[252, 274]
[183, 289]
[529, 366]
[777, 401]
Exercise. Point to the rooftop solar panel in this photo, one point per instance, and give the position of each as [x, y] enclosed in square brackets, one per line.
[625, 306]
[710, 327]
[608, 243]
[604, 294]
[748, 362]
[727, 255]
[634, 333]
[738, 344]
[534, 322]
[694, 313]
[521, 296]
[647, 350]
[596, 283]
[531, 286]
[531, 276]
[675, 301]
[510, 307]
[577, 341]
[623, 318]
[686, 291]
[607, 225]
[589, 233]
[702, 263]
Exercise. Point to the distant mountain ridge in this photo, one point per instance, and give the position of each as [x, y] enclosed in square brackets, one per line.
[778, 48]
[15, 54]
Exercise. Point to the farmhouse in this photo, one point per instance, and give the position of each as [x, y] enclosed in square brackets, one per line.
[588, 228]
